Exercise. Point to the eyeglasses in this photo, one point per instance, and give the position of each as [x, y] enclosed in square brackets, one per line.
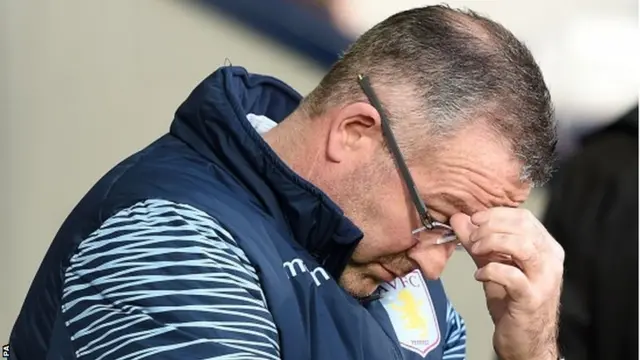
[427, 221]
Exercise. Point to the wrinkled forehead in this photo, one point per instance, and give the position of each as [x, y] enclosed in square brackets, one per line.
[476, 171]
[478, 142]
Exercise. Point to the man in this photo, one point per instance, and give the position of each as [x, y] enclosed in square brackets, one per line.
[233, 238]
[593, 212]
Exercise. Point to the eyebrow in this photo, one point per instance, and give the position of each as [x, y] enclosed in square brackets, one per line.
[459, 204]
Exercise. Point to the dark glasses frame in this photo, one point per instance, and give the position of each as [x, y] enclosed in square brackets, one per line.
[426, 219]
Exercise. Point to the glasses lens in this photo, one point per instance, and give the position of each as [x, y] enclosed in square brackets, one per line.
[440, 234]
[447, 233]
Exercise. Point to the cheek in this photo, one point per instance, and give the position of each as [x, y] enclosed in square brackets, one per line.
[386, 220]
[378, 243]
[385, 235]
[432, 259]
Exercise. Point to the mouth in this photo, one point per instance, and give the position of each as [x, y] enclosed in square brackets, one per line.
[392, 273]
[385, 274]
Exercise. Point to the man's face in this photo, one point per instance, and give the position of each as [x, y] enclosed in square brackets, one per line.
[471, 172]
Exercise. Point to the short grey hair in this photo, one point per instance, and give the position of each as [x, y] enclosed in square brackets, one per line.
[462, 67]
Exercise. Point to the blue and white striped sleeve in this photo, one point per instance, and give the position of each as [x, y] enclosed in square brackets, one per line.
[456, 340]
[165, 280]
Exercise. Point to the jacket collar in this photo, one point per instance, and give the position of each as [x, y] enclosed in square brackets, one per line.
[213, 121]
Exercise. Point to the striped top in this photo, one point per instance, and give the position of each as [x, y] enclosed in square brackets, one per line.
[456, 338]
[165, 280]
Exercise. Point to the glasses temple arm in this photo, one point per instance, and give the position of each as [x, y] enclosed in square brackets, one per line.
[425, 218]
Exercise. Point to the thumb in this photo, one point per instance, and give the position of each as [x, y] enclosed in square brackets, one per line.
[463, 227]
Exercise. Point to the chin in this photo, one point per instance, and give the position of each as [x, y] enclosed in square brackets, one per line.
[357, 285]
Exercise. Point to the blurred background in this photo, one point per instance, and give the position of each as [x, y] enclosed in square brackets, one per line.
[83, 84]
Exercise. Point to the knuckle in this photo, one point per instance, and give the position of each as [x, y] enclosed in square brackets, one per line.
[556, 250]
[524, 214]
[560, 252]
[560, 267]
[522, 217]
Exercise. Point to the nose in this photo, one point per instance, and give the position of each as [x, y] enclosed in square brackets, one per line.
[430, 256]
[452, 247]
[435, 236]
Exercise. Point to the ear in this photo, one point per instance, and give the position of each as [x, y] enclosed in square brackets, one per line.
[355, 133]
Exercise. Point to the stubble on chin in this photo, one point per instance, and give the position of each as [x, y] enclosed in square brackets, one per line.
[357, 284]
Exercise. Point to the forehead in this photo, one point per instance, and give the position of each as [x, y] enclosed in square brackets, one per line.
[475, 169]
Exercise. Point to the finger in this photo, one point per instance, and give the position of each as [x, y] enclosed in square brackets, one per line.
[516, 221]
[504, 219]
[463, 227]
[522, 252]
[485, 230]
[513, 280]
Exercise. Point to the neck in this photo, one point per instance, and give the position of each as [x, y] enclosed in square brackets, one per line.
[297, 143]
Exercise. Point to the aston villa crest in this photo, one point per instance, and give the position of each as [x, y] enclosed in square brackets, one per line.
[408, 303]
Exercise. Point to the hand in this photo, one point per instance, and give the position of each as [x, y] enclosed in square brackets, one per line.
[521, 268]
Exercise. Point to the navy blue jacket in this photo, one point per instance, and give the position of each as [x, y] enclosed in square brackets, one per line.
[205, 244]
